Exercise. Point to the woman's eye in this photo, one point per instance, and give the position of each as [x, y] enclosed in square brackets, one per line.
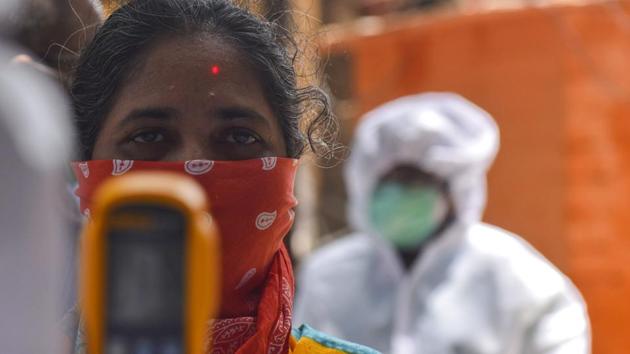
[242, 138]
[148, 137]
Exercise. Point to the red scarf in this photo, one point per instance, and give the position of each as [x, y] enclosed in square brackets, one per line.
[252, 202]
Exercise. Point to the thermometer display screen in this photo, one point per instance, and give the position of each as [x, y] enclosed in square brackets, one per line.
[145, 278]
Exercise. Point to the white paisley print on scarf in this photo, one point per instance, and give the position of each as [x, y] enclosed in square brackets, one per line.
[228, 335]
[283, 325]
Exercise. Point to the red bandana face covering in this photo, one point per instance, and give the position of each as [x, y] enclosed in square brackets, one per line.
[252, 202]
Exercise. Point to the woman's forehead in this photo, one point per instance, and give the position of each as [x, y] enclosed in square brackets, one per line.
[181, 69]
[197, 56]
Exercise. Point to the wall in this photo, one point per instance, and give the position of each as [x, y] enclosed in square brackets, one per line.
[557, 81]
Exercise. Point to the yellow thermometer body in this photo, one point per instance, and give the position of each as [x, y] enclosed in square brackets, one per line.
[149, 277]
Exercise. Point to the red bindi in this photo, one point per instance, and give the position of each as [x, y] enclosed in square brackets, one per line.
[215, 70]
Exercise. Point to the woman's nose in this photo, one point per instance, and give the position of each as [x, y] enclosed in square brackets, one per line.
[194, 149]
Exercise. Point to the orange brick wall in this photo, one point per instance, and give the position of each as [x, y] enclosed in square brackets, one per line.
[557, 80]
[598, 149]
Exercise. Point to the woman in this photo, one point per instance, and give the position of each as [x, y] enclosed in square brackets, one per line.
[207, 89]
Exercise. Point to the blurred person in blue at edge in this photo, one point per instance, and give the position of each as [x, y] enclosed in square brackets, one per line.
[35, 137]
[422, 273]
[37, 221]
[46, 36]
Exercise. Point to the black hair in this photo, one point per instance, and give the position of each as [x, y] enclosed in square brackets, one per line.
[304, 113]
[52, 30]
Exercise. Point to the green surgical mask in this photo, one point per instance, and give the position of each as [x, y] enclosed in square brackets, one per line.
[407, 215]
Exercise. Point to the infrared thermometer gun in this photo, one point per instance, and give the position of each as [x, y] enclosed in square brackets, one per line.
[149, 277]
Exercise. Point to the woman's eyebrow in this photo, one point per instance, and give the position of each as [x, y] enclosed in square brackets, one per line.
[158, 113]
[232, 113]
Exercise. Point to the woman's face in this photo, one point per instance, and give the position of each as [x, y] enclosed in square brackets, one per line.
[191, 98]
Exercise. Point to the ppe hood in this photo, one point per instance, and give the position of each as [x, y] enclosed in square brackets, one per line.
[439, 133]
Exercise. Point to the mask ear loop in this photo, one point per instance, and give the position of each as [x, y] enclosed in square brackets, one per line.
[444, 188]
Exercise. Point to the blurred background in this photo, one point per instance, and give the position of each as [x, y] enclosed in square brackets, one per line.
[556, 77]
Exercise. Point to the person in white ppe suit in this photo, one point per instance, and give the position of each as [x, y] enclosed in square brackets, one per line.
[422, 274]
